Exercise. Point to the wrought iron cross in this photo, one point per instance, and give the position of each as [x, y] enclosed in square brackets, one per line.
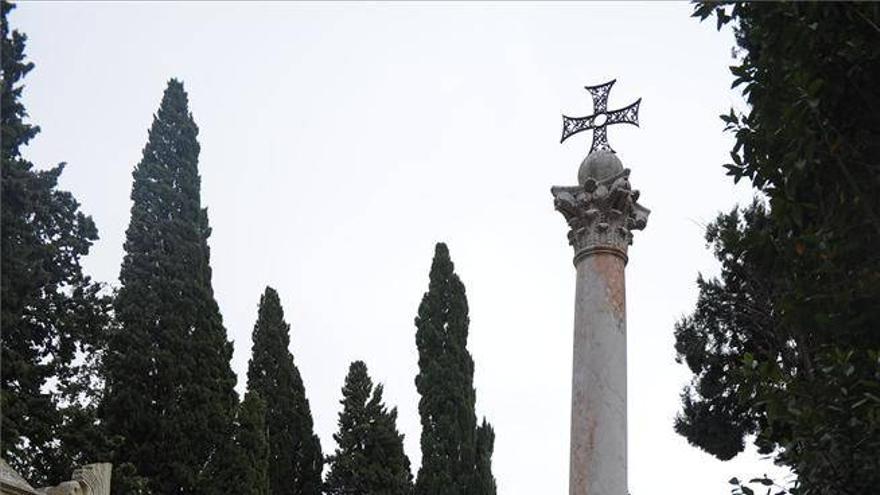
[601, 118]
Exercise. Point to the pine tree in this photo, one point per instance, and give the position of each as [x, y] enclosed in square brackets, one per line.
[295, 459]
[170, 398]
[369, 457]
[50, 309]
[450, 463]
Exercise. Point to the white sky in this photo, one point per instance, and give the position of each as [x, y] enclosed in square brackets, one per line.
[341, 141]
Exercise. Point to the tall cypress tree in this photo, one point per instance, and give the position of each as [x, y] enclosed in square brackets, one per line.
[170, 398]
[295, 459]
[451, 462]
[369, 457]
[50, 309]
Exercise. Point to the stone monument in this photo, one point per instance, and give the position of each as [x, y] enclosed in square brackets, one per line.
[91, 479]
[12, 483]
[602, 212]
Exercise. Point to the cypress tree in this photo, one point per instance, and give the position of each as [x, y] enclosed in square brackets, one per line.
[451, 462]
[295, 459]
[253, 441]
[369, 457]
[170, 398]
[245, 461]
[50, 310]
[485, 447]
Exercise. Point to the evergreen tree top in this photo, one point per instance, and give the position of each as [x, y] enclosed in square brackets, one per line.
[174, 109]
[442, 267]
[170, 157]
[175, 105]
[15, 131]
[358, 385]
[166, 196]
[369, 457]
[271, 335]
[295, 451]
[442, 320]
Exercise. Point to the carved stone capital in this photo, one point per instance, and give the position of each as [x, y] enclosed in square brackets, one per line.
[601, 214]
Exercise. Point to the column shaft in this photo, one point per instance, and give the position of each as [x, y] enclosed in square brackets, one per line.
[598, 405]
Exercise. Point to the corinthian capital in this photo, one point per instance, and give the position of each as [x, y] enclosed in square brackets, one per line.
[602, 212]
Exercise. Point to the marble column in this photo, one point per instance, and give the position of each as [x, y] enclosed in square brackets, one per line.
[602, 211]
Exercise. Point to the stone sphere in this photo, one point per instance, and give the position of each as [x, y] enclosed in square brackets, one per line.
[599, 165]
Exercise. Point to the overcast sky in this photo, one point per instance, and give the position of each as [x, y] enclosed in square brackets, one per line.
[341, 141]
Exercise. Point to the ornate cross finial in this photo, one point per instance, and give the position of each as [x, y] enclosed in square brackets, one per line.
[600, 118]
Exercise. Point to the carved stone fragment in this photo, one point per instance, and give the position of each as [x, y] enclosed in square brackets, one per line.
[91, 479]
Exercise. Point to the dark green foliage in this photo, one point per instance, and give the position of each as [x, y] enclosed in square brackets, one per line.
[450, 463]
[295, 459]
[485, 447]
[51, 311]
[170, 400]
[252, 439]
[785, 344]
[243, 467]
[369, 457]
